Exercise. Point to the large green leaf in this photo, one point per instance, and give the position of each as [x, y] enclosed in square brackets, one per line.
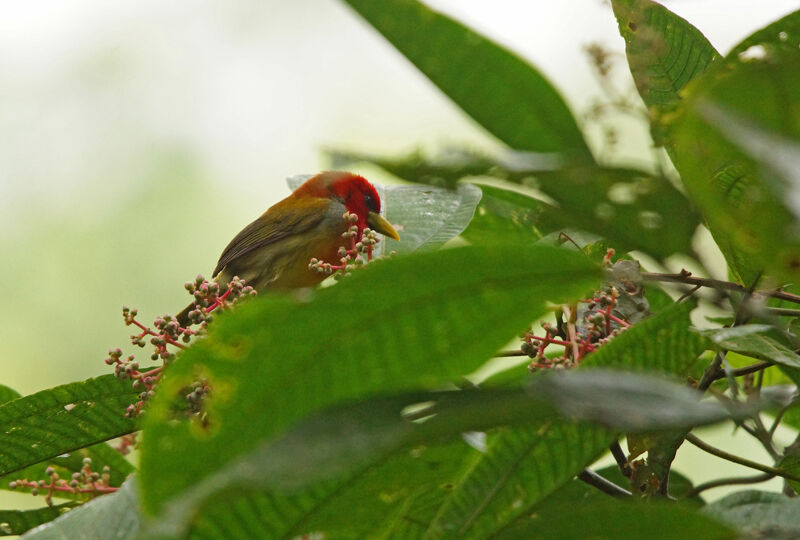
[664, 51]
[607, 519]
[403, 324]
[110, 516]
[520, 467]
[15, 522]
[347, 438]
[736, 147]
[759, 514]
[62, 419]
[426, 216]
[504, 94]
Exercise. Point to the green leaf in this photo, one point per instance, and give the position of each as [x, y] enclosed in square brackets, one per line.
[630, 208]
[758, 514]
[388, 499]
[520, 467]
[62, 419]
[661, 343]
[508, 216]
[783, 35]
[407, 323]
[426, 216]
[115, 515]
[736, 146]
[608, 519]
[504, 94]
[752, 340]
[353, 436]
[7, 394]
[14, 522]
[664, 51]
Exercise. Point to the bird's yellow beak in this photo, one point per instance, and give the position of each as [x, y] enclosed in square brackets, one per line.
[378, 224]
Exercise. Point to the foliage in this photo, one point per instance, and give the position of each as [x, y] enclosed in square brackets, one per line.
[349, 411]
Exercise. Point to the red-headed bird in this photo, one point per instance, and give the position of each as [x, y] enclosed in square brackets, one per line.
[274, 251]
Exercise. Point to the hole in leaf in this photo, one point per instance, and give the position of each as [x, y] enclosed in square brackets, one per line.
[622, 193]
[756, 52]
[650, 220]
[604, 211]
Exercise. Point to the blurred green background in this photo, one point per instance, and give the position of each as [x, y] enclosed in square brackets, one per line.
[137, 138]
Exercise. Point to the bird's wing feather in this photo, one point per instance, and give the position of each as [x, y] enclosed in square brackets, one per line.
[280, 221]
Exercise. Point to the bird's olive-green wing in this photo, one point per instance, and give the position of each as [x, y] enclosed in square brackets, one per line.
[287, 218]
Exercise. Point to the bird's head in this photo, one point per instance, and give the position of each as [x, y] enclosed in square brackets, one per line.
[357, 195]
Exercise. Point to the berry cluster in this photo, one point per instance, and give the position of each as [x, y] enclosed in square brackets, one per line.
[590, 323]
[361, 244]
[167, 331]
[86, 481]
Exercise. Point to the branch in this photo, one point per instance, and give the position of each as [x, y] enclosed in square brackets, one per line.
[622, 461]
[732, 481]
[746, 370]
[607, 487]
[686, 277]
[739, 460]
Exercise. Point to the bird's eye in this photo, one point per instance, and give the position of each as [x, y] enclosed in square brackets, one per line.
[369, 202]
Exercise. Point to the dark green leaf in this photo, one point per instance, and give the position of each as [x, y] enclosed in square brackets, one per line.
[753, 340]
[607, 519]
[62, 419]
[759, 514]
[110, 516]
[504, 94]
[631, 209]
[508, 216]
[14, 522]
[664, 51]
[408, 323]
[736, 147]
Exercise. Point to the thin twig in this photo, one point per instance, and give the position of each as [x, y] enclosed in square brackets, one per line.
[740, 460]
[606, 486]
[688, 293]
[622, 460]
[732, 481]
[686, 277]
[504, 354]
[746, 370]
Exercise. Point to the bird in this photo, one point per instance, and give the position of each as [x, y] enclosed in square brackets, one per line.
[273, 252]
